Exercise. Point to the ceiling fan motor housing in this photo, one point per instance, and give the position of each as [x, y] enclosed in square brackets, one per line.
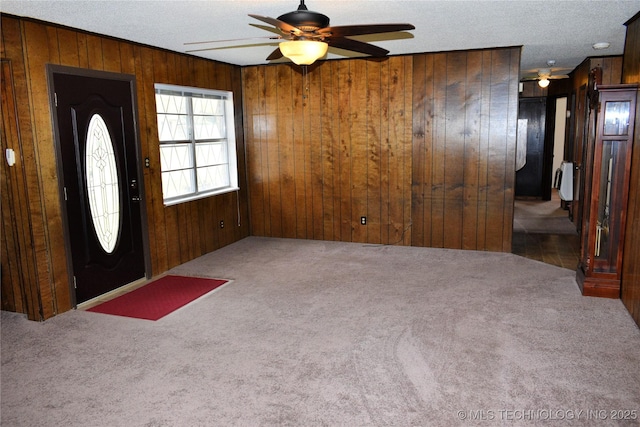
[306, 20]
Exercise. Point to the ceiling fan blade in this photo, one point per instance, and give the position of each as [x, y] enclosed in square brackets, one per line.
[356, 46]
[223, 47]
[234, 40]
[558, 76]
[283, 26]
[276, 54]
[356, 30]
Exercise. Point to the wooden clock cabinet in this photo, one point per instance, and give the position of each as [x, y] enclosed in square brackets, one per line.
[606, 188]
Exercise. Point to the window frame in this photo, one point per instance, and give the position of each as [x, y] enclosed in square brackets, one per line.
[230, 139]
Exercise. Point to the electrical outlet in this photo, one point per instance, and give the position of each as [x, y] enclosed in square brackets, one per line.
[363, 220]
[221, 224]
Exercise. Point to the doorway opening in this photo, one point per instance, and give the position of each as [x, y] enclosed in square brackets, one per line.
[542, 227]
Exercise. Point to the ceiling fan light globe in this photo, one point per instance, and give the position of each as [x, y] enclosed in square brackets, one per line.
[543, 82]
[303, 52]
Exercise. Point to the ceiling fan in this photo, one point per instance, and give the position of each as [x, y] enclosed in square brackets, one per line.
[545, 74]
[307, 36]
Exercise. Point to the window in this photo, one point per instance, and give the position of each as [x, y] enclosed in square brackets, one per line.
[197, 142]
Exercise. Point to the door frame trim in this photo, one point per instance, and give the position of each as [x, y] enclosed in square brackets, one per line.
[131, 79]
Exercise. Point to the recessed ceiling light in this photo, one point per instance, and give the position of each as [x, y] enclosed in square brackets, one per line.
[601, 45]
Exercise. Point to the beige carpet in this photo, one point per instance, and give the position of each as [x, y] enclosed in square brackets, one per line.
[313, 333]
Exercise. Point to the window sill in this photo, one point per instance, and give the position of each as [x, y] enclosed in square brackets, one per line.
[200, 196]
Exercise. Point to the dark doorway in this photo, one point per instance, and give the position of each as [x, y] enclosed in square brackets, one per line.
[99, 165]
[529, 179]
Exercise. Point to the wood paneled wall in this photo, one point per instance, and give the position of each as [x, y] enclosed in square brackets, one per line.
[422, 146]
[533, 90]
[465, 116]
[177, 234]
[611, 70]
[328, 147]
[631, 259]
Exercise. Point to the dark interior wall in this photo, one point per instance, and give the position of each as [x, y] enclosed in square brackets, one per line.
[423, 146]
[33, 240]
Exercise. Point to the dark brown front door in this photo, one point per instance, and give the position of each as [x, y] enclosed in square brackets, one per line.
[98, 151]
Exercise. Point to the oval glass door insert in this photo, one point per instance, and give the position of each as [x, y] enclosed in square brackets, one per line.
[102, 183]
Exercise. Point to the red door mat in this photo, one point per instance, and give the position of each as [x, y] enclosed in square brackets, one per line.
[158, 298]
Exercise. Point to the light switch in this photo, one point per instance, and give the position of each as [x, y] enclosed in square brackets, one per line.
[11, 156]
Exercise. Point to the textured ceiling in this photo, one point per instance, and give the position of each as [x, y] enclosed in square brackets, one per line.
[547, 29]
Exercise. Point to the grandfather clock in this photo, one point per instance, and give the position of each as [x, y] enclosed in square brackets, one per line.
[606, 188]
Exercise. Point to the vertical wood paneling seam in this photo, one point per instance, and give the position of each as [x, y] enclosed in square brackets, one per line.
[405, 164]
[306, 147]
[36, 154]
[488, 158]
[488, 117]
[262, 136]
[389, 153]
[445, 140]
[509, 163]
[101, 54]
[466, 138]
[57, 43]
[506, 157]
[322, 157]
[338, 80]
[429, 114]
[52, 271]
[292, 124]
[323, 144]
[417, 153]
[506, 151]
[279, 157]
[352, 144]
[378, 144]
[264, 147]
[480, 241]
[400, 145]
[508, 202]
[338, 147]
[307, 161]
[380, 151]
[77, 47]
[366, 151]
[350, 163]
[331, 146]
[293, 140]
[146, 148]
[267, 182]
[423, 151]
